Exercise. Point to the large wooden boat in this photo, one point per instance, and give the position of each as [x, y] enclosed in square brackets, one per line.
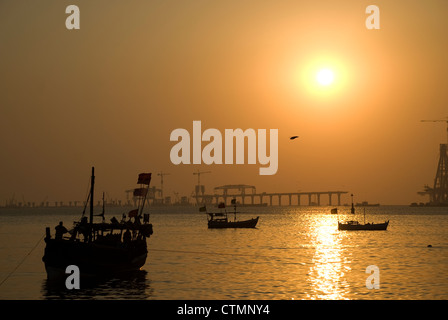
[101, 248]
[221, 220]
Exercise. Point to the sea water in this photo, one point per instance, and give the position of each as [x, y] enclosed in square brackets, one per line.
[293, 253]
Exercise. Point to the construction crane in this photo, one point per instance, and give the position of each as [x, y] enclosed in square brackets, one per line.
[161, 174]
[439, 193]
[177, 196]
[198, 173]
[440, 120]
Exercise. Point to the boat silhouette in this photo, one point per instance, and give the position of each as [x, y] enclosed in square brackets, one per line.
[221, 220]
[355, 225]
[101, 248]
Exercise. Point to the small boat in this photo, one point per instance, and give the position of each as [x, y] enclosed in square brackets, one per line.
[220, 220]
[355, 225]
[367, 204]
[99, 249]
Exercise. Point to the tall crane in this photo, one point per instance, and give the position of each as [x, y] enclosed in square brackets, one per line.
[161, 174]
[198, 173]
[177, 196]
[439, 193]
[440, 120]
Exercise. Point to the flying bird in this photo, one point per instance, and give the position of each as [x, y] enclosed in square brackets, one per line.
[293, 137]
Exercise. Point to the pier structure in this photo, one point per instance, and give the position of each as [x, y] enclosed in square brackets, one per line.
[244, 192]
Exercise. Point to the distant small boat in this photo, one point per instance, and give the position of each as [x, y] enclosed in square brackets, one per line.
[366, 204]
[220, 220]
[355, 225]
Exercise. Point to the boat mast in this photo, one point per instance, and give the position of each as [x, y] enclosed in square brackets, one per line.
[233, 202]
[92, 183]
[337, 215]
[234, 211]
[104, 208]
[353, 208]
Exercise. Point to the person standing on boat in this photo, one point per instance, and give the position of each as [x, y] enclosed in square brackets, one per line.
[60, 230]
[127, 236]
[83, 228]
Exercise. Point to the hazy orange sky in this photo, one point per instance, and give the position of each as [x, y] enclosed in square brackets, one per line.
[109, 95]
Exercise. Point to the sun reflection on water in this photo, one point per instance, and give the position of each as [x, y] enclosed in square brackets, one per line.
[330, 262]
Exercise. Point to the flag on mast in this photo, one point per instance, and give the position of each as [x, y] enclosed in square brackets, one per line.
[144, 178]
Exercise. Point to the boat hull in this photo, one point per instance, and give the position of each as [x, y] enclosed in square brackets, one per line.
[92, 259]
[371, 226]
[216, 224]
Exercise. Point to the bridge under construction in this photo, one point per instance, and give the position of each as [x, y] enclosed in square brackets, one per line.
[247, 195]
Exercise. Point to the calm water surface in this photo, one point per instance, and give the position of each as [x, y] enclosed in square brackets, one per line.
[294, 253]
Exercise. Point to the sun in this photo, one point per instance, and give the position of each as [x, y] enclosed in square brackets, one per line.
[320, 78]
[325, 77]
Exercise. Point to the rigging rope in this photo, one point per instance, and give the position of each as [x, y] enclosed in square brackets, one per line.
[23, 260]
